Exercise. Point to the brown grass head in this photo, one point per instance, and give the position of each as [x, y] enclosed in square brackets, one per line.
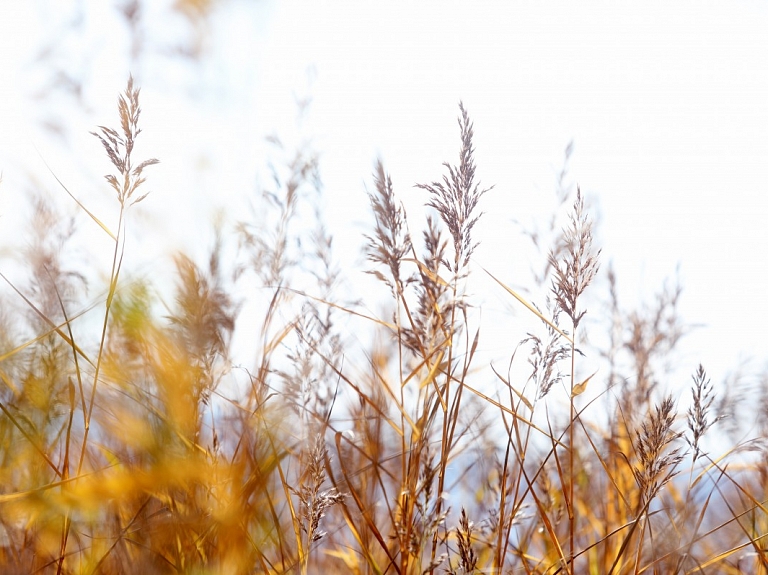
[699, 420]
[457, 196]
[432, 314]
[119, 147]
[578, 266]
[657, 463]
[314, 500]
[391, 241]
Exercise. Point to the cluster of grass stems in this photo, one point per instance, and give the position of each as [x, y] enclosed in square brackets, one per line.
[141, 448]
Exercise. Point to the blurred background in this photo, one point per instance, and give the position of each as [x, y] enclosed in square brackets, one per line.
[658, 112]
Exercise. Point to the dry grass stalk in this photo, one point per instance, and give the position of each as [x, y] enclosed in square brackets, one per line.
[574, 267]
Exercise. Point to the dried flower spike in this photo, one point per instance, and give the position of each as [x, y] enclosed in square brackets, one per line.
[119, 147]
[579, 266]
[457, 196]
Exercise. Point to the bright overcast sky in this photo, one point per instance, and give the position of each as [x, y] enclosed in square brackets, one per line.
[666, 103]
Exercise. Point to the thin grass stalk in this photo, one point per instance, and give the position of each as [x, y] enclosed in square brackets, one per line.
[389, 247]
[67, 441]
[504, 534]
[455, 199]
[572, 457]
[113, 277]
[500, 550]
[572, 274]
[445, 445]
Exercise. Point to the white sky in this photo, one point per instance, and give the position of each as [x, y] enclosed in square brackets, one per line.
[667, 106]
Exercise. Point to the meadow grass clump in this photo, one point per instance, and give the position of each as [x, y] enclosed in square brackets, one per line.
[138, 443]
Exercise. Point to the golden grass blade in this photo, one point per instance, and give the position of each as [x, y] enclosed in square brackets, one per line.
[32, 442]
[514, 414]
[275, 341]
[522, 398]
[295, 521]
[8, 497]
[432, 371]
[386, 324]
[7, 381]
[725, 554]
[549, 529]
[54, 328]
[370, 561]
[365, 398]
[605, 538]
[401, 408]
[536, 312]
[428, 272]
[369, 523]
[430, 378]
[71, 195]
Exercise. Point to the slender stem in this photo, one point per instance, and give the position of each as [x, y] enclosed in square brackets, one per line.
[113, 276]
[571, 431]
[449, 412]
